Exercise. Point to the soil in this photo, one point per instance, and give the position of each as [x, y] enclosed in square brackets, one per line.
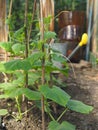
[81, 84]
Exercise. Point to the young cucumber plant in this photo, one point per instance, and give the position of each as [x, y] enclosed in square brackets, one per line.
[15, 87]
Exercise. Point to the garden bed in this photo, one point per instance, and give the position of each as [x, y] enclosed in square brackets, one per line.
[83, 87]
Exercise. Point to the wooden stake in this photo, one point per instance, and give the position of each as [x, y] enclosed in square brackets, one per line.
[43, 62]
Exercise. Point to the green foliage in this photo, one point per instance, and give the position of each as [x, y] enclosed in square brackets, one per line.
[3, 112]
[47, 22]
[33, 78]
[33, 65]
[18, 49]
[79, 106]
[18, 35]
[31, 95]
[2, 68]
[17, 64]
[6, 46]
[49, 35]
[35, 57]
[22, 64]
[12, 90]
[70, 5]
[54, 125]
[56, 94]
[8, 86]
[93, 60]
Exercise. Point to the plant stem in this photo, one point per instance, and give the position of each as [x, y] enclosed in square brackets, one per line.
[30, 28]
[62, 114]
[51, 116]
[26, 39]
[50, 81]
[43, 62]
[19, 108]
[51, 76]
[28, 110]
[43, 113]
[10, 8]
[26, 47]
[26, 29]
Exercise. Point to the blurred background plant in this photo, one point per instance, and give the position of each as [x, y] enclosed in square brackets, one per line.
[70, 5]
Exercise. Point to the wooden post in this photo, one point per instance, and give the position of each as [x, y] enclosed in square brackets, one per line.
[3, 32]
[95, 25]
[3, 29]
[48, 9]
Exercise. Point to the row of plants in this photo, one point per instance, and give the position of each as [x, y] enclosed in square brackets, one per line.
[30, 69]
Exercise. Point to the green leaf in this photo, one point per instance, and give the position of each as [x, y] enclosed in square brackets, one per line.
[50, 67]
[24, 65]
[58, 57]
[49, 35]
[6, 46]
[33, 77]
[17, 65]
[8, 86]
[54, 125]
[12, 65]
[2, 68]
[35, 57]
[56, 94]
[14, 92]
[18, 48]
[53, 68]
[3, 112]
[31, 95]
[47, 19]
[19, 34]
[60, 83]
[4, 96]
[78, 106]
[66, 126]
[19, 81]
[60, 63]
[64, 70]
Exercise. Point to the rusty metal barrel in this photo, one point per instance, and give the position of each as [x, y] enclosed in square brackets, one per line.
[71, 27]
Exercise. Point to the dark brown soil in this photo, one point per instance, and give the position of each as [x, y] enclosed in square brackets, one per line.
[83, 86]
